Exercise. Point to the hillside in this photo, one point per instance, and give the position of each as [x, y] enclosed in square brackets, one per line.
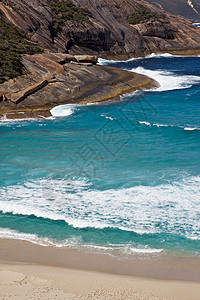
[33, 82]
[13, 43]
[189, 9]
[101, 27]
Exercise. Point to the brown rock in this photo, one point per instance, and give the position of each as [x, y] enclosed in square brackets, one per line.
[86, 59]
[48, 83]
[19, 96]
[108, 32]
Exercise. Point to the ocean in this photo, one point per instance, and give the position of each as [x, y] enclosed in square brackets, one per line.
[121, 178]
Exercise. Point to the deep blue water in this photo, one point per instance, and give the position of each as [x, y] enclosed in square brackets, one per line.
[122, 176]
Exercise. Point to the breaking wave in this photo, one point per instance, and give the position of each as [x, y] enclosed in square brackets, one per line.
[168, 81]
[165, 125]
[75, 242]
[174, 206]
[103, 62]
[63, 110]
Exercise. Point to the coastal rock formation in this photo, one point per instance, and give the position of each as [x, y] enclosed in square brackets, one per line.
[57, 78]
[72, 33]
[103, 27]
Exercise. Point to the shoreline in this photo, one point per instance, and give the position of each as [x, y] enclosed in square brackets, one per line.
[28, 270]
[120, 82]
[31, 271]
[159, 266]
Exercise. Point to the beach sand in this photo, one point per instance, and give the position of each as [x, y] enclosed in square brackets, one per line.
[30, 271]
[42, 282]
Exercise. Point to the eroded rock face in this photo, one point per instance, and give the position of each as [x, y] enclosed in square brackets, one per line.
[108, 32]
[57, 78]
[33, 16]
[157, 29]
[44, 70]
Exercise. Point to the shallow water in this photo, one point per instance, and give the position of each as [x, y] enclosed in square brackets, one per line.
[118, 177]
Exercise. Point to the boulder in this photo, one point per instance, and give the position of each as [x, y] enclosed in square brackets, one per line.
[86, 59]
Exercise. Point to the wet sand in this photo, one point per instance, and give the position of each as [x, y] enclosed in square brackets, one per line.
[30, 271]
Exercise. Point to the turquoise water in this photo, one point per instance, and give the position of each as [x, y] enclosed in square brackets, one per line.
[118, 177]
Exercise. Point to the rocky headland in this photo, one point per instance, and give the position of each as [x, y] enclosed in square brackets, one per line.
[57, 78]
[49, 50]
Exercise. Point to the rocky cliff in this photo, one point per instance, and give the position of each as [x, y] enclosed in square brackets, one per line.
[64, 29]
[101, 27]
[57, 78]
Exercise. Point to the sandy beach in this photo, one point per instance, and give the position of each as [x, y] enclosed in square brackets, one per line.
[30, 271]
[41, 282]
[100, 150]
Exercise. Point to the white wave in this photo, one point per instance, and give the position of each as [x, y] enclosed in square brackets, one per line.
[123, 250]
[190, 3]
[63, 110]
[191, 128]
[6, 233]
[160, 125]
[131, 250]
[196, 24]
[167, 80]
[175, 207]
[145, 123]
[76, 242]
[191, 237]
[58, 111]
[107, 117]
[103, 62]
[5, 121]
[165, 125]
[160, 55]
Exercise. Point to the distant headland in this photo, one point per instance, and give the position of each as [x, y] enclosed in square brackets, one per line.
[48, 50]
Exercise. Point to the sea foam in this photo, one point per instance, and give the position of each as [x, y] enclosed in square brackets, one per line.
[174, 206]
[103, 62]
[116, 250]
[63, 110]
[168, 81]
[165, 125]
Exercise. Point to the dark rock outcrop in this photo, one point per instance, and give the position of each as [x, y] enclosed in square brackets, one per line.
[52, 81]
[67, 72]
[108, 32]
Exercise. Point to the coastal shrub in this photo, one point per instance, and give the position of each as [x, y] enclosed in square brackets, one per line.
[142, 15]
[64, 10]
[13, 43]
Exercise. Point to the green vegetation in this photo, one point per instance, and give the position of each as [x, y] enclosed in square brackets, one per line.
[142, 15]
[64, 10]
[13, 43]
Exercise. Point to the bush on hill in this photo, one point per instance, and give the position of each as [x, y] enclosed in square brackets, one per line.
[13, 43]
[64, 10]
[142, 15]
